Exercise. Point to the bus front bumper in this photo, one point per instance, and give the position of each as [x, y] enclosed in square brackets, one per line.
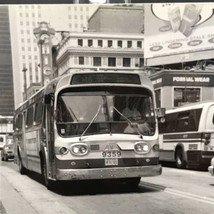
[108, 173]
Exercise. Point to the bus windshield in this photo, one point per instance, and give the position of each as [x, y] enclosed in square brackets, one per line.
[115, 113]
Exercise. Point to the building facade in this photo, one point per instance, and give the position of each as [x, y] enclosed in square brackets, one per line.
[100, 51]
[6, 73]
[25, 51]
[174, 88]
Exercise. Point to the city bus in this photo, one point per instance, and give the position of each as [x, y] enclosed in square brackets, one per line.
[187, 135]
[74, 129]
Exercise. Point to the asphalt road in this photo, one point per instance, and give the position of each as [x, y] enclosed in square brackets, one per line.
[175, 191]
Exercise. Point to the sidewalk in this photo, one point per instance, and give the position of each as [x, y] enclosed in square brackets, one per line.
[20, 194]
[11, 202]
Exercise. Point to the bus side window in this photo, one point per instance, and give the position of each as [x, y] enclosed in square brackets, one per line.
[29, 120]
[38, 113]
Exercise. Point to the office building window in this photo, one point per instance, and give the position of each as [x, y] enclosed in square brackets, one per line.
[112, 61]
[109, 43]
[81, 60]
[141, 62]
[186, 95]
[139, 44]
[119, 43]
[80, 42]
[126, 62]
[97, 61]
[100, 43]
[90, 42]
[129, 44]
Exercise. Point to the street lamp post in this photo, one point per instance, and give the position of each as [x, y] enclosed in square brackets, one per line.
[24, 70]
[40, 43]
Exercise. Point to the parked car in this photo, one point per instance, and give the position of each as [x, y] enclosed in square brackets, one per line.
[2, 141]
[211, 167]
[7, 152]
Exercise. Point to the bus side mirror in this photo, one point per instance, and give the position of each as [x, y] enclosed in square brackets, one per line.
[161, 114]
[48, 99]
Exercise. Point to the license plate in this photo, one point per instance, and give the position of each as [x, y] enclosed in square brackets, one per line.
[111, 162]
[111, 154]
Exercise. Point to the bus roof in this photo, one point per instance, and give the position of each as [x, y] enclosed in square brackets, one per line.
[65, 80]
[189, 106]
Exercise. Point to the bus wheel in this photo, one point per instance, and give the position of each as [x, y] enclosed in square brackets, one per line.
[180, 162]
[132, 182]
[22, 169]
[47, 182]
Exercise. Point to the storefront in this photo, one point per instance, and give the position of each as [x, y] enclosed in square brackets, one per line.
[174, 88]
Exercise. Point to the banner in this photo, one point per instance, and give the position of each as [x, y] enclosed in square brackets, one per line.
[175, 28]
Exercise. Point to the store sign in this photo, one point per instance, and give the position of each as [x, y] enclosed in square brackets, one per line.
[179, 79]
[191, 79]
[178, 29]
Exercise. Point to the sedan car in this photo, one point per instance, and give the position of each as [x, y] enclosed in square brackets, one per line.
[211, 167]
[7, 152]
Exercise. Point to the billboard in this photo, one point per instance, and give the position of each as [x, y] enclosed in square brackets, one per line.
[178, 28]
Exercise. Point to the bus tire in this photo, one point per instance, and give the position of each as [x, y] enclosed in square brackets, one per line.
[179, 159]
[47, 182]
[131, 182]
[22, 169]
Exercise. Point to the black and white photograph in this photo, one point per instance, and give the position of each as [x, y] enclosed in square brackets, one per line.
[106, 106]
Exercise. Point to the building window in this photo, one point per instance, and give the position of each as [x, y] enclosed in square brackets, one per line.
[109, 43]
[112, 61]
[186, 95]
[139, 44]
[97, 61]
[80, 42]
[81, 60]
[90, 42]
[141, 62]
[100, 43]
[119, 43]
[129, 44]
[126, 62]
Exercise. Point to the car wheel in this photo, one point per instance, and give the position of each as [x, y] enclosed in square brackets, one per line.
[179, 158]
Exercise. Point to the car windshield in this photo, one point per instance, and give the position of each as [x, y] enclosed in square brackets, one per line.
[114, 113]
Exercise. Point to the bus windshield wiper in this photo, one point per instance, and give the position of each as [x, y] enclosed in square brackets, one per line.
[93, 119]
[133, 125]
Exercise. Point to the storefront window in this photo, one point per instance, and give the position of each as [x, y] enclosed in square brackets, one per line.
[186, 95]
[158, 97]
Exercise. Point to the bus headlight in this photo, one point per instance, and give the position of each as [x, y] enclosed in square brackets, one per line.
[79, 149]
[141, 147]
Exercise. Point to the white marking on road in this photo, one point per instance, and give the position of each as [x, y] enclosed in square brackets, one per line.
[203, 199]
[191, 196]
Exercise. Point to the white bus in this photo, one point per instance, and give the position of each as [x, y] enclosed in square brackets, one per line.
[187, 136]
[74, 129]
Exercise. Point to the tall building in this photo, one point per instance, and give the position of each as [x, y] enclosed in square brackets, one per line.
[25, 51]
[6, 74]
